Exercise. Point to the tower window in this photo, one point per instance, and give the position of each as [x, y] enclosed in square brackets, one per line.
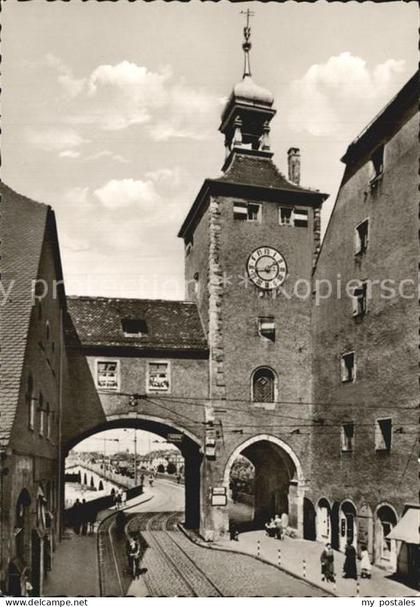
[107, 374]
[360, 300]
[263, 386]
[134, 327]
[267, 328]
[361, 237]
[188, 247]
[300, 218]
[247, 211]
[347, 436]
[158, 377]
[348, 367]
[285, 216]
[383, 434]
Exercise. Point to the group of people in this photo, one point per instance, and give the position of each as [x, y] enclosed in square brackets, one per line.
[277, 525]
[119, 498]
[83, 517]
[350, 563]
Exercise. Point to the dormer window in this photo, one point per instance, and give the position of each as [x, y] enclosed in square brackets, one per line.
[247, 211]
[134, 327]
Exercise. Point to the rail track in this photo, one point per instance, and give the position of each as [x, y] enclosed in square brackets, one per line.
[170, 570]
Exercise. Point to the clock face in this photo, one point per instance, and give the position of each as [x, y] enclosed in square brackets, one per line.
[267, 268]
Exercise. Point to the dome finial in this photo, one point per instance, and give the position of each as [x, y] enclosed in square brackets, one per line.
[246, 45]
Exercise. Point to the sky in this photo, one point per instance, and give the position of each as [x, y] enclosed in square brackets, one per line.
[111, 113]
[116, 441]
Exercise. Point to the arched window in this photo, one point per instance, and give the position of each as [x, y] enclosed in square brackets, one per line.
[264, 385]
[31, 402]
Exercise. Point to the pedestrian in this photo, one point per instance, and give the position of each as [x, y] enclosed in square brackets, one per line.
[327, 564]
[270, 528]
[133, 554]
[365, 565]
[76, 516]
[84, 516]
[350, 567]
[279, 527]
[118, 500]
[91, 520]
[142, 479]
[123, 498]
[151, 480]
[233, 532]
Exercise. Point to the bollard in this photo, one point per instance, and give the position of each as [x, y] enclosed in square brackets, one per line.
[279, 557]
[357, 588]
[258, 548]
[304, 568]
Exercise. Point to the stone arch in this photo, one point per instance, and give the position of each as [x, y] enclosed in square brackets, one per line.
[385, 550]
[279, 482]
[190, 448]
[323, 520]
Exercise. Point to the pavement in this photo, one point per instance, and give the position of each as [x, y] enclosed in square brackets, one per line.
[301, 558]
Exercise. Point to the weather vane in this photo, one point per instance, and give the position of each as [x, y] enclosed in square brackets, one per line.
[247, 44]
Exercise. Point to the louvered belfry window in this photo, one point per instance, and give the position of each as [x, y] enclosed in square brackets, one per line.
[263, 386]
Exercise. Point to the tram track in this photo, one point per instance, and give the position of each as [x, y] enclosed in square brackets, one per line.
[170, 570]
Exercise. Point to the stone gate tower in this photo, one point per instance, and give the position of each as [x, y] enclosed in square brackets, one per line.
[250, 240]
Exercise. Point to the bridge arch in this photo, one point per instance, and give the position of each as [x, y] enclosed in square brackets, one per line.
[279, 478]
[189, 445]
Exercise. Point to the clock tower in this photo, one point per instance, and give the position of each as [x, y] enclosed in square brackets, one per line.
[251, 237]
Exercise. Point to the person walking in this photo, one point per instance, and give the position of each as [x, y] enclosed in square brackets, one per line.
[279, 527]
[350, 567]
[76, 516]
[124, 498]
[133, 553]
[84, 516]
[365, 564]
[327, 564]
[118, 500]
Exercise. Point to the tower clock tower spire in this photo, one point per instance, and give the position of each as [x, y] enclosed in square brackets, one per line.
[248, 112]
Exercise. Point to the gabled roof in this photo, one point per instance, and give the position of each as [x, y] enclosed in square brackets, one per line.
[250, 174]
[22, 227]
[171, 325]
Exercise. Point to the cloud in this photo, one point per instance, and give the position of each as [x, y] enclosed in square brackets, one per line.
[115, 97]
[55, 140]
[107, 154]
[77, 196]
[69, 154]
[116, 194]
[342, 92]
[71, 85]
[172, 177]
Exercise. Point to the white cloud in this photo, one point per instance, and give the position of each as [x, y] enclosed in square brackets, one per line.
[77, 196]
[340, 93]
[107, 154]
[116, 194]
[172, 177]
[69, 154]
[71, 85]
[115, 97]
[54, 140]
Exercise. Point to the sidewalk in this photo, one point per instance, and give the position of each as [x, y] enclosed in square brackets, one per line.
[290, 555]
[75, 560]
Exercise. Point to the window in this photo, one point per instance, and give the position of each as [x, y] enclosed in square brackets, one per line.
[297, 217]
[48, 420]
[383, 434]
[188, 247]
[376, 165]
[41, 414]
[360, 300]
[300, 218]
[31, 402]
[285, 216]
[263, 386]
[134, 327]
[347, 436]
[197, 285]
[107, 374]
[267, 328]
[361, 237]
[158, 377]
[247, 211]
[348, 367]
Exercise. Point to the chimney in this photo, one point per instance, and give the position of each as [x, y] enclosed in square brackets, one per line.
[293, 165]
